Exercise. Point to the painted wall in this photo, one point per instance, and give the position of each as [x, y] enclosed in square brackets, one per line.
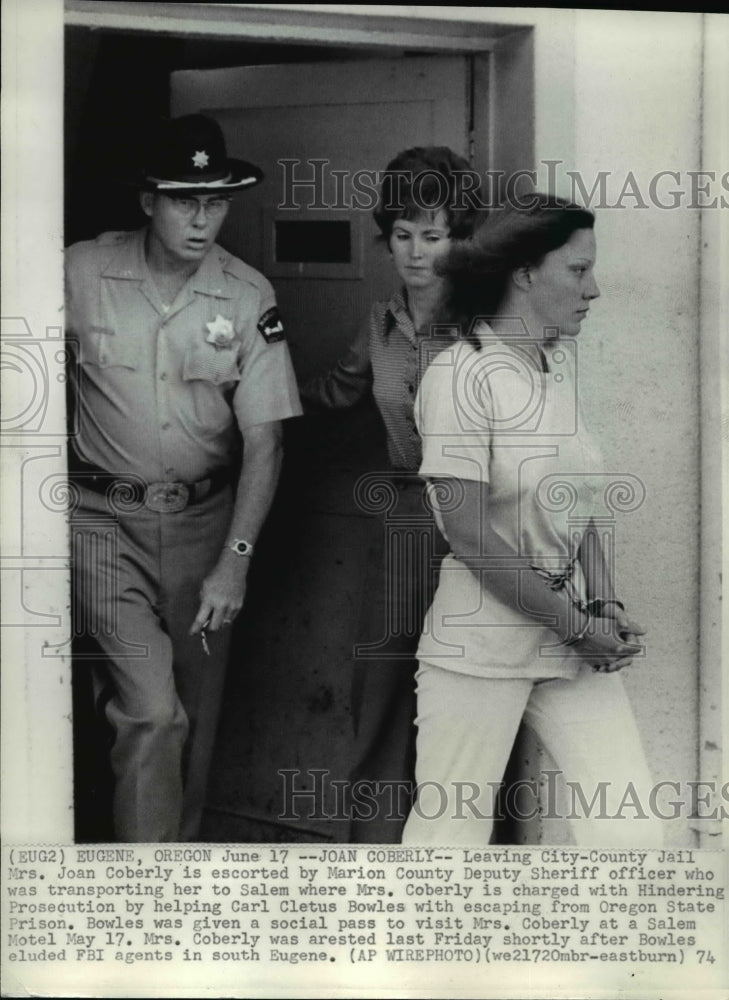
[618, 92]
[36, 696]
[637, 110]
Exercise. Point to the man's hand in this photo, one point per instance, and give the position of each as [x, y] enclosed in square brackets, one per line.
[223, 590]
[222, 593]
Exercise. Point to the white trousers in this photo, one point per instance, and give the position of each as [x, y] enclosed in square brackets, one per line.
[466, 730]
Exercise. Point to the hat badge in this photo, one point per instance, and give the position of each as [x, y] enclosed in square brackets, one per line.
[189, 154]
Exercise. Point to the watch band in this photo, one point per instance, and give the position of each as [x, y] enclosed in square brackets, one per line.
[241, 547]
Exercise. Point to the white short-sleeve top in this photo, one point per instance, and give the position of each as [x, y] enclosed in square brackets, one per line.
[491, 416]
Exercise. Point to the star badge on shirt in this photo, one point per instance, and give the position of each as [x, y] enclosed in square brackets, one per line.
[200, 159]
[221, 332]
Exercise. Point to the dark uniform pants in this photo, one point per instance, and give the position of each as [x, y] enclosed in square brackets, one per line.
[137, 592]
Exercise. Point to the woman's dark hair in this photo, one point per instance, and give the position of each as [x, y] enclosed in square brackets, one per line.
[511, 237]
[428, 179]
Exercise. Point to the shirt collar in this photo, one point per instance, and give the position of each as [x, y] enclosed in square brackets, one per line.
[397, 315]
[209, 279]
[130, 264]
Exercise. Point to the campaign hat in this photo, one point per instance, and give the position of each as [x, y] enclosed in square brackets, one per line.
[188, 154]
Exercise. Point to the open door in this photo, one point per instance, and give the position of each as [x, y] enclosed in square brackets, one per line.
[331, 127]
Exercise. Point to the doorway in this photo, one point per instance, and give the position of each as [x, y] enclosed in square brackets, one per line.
[322, 132]
[288, 696]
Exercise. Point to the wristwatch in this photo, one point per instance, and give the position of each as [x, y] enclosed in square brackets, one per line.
[241, 547]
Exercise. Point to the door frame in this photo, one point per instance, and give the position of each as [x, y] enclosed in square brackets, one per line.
[502, 49]
[39, 733]
[318, 24]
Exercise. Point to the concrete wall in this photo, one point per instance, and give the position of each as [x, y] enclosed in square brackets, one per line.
[36, 696]
[637, 108]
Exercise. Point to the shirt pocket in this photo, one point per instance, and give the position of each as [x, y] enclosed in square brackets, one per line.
[101, 347]
[210, 364]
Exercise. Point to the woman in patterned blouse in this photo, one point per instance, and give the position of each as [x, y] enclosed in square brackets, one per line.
[426, 199]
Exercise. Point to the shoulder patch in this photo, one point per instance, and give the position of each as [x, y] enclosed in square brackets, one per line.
[270, 326]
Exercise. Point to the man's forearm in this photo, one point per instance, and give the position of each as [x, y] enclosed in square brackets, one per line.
[223, 591]
[260, 470]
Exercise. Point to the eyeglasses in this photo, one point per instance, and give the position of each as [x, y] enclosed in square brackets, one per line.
[189, 207]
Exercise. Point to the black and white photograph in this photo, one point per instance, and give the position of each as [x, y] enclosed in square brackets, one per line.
[364, 444]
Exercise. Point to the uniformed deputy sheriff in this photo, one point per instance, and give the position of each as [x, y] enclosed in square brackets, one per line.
[181, 354]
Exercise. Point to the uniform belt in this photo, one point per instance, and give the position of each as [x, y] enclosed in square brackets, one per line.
[132, 491]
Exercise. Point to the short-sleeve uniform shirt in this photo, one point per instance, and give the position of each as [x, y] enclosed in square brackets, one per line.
[490, 416]
[161, 389]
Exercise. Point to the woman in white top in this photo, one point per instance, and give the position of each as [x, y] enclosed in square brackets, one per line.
[525, 624]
